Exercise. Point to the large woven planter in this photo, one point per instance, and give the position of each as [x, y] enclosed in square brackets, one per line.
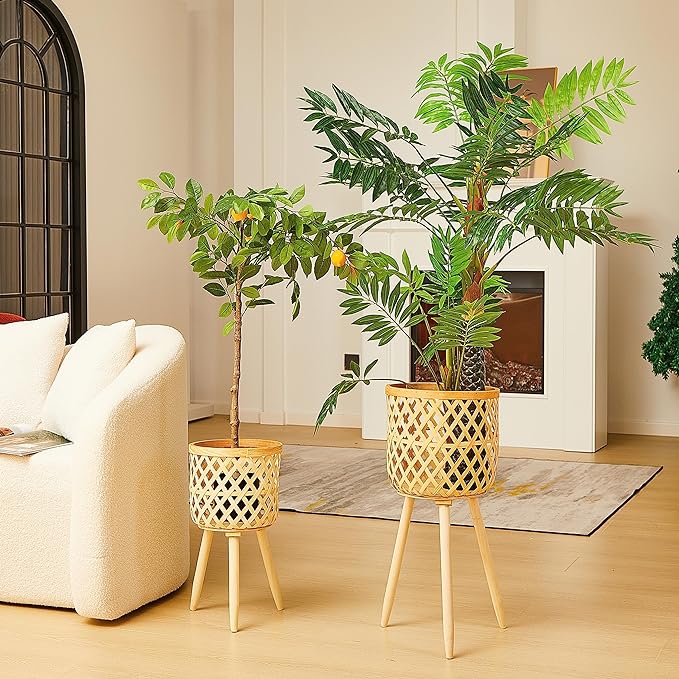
[441, 444]
[234, 489]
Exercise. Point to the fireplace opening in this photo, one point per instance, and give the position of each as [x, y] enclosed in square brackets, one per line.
[516, 363]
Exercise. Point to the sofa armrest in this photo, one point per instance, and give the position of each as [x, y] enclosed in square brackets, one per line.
[129, 516]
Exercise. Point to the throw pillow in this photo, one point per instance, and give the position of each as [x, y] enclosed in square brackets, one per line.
[30, 354]
[91, 364]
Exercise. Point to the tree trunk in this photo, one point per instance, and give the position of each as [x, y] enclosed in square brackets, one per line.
[234, 417]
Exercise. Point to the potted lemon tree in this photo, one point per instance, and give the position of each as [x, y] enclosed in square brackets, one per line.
[443, 436]
[244, 245]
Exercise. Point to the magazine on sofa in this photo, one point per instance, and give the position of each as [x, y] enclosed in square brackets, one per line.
[31, 442]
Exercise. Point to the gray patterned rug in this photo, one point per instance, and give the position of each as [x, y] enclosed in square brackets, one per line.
[547, 496]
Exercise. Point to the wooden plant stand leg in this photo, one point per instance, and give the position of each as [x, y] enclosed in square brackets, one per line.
[234, 577]
[397, 559]
[201, 567]
[487, 559]
[265, 549]
[446, 579]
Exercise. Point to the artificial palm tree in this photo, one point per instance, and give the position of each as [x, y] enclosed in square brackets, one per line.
[500, 133]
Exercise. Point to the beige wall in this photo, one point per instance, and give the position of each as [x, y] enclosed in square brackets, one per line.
[642, 157]
[135, 56]
[211, 63]
[374, 49]
[138, 58]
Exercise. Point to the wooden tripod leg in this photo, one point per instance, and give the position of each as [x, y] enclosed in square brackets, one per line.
[234, 576]
[446, 580]
[487, 559]
[265, 549]
[201, 567]
[397, 559]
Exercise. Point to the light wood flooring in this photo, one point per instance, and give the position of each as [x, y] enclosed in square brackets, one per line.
[605, 606]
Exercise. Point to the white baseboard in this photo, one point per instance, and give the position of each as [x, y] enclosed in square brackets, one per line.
[281, 418]
[222, 408]
[643, 427]
[199, 410]
[335, 420]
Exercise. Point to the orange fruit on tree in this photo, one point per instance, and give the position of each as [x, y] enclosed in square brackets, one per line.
[238, 216]
[338, 258]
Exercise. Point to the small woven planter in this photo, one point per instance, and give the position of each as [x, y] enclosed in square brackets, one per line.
[441, 444]
[234, 489]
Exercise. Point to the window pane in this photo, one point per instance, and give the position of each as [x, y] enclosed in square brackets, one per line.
[9, 189]
[36, 307]
[32, 70]
[35, 191]
[60, 260]
[60, 199]
[35, 121]
[9, 117]
[10, 250]
[35, 31]
[35, 260]
[10, 305]
[55, 65]
[9, 61]
[59, 305]
[8, 20]
[58, 125]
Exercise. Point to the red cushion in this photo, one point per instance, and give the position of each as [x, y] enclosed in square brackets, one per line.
[9, 318]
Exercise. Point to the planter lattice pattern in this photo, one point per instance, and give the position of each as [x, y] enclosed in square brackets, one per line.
[441, 444]
[234, 489]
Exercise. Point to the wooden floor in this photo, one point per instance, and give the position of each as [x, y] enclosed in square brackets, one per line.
[601, 606]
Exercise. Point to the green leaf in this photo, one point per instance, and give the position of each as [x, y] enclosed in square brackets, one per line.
[258, 302]
[608, 73]
[168, 179]
[150, 200]
[585, 80]
[321, 267]
[215, 289]
[226, 309]
[153, 221]
[194, 189]
[250, 292]
[228, 327]
[147, 184]
[596, 119]
[286, 253]
[623, 96]
[209, 203]
[588, 133]
[370, 366]
[596, 75]
[297, 194]
[164, 204]
[256, 211]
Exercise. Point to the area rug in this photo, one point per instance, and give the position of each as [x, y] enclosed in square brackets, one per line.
[546, 496]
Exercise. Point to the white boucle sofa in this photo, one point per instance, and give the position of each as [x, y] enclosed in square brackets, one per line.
[101, 525]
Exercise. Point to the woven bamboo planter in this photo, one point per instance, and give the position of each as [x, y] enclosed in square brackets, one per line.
[234, 489]
[441, 444]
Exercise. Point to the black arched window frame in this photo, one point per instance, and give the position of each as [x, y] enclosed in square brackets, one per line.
[77, 292]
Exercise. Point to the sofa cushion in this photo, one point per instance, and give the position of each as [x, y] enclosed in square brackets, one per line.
[92, 363]
[35, 527]
[30, 353]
